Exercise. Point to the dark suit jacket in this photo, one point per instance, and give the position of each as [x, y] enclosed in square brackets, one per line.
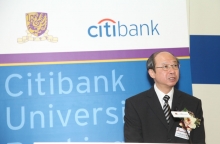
[145, 121]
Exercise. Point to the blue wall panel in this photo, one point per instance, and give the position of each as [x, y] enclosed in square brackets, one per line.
[205, 59]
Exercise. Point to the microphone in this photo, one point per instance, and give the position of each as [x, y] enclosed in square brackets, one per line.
[184, 126]
[176, 108]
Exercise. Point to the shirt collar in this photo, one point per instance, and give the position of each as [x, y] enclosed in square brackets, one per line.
[160, 95]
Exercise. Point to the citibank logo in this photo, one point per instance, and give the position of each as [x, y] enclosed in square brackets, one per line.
[110, 28]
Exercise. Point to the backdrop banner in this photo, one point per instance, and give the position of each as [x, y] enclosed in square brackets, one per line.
[68, 66]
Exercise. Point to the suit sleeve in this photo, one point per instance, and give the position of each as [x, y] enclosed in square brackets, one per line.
[132, 124]
[198, 134]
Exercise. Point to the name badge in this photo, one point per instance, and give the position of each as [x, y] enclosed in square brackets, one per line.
[181, 133]
[178, 114]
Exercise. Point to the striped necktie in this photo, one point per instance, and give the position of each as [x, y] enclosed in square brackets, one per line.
[166, 108]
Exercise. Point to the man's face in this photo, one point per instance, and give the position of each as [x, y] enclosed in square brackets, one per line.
[165, 79]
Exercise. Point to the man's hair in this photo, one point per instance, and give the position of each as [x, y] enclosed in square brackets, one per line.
[151, 61]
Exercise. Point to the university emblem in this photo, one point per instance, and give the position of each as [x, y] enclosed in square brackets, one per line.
[37, 23]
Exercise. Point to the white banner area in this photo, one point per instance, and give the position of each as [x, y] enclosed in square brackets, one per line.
[67, 66]
[85, 25]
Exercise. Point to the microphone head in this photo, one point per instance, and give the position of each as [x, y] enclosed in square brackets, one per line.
[176, 108]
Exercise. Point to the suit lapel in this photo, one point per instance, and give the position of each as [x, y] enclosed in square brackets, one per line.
[155, 105]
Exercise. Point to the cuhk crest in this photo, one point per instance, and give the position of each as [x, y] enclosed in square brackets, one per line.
[36, 23]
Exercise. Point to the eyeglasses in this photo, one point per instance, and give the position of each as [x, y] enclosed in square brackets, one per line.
[167, 67]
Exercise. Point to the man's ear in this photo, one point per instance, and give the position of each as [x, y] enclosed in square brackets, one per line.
[151, 73]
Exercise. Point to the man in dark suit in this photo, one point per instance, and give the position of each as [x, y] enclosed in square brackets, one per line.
[145, 119]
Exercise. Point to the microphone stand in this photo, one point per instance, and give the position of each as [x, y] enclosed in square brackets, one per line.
[184, 126]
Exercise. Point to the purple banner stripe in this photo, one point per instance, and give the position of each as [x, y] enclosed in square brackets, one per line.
[91, 55]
